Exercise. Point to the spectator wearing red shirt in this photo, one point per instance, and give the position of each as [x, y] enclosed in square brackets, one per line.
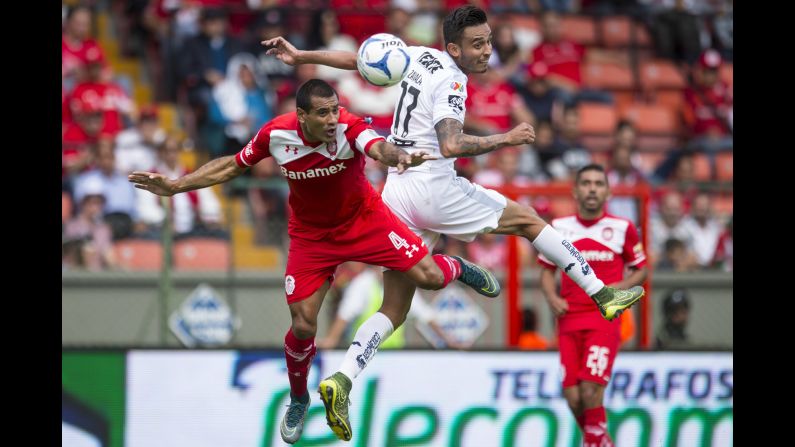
[79, 138]
[724, 252]
[709, 103]
[108, 97]
[77, 46]
[493, 105]
[564, 59]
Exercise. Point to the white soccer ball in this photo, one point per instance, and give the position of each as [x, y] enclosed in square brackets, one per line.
[382, 60]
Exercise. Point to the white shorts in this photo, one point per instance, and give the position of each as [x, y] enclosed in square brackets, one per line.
[431, 204]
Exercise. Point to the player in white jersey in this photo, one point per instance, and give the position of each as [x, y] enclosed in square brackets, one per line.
[431, 199]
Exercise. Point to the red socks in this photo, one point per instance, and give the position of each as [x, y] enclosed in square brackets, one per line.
[299, 355]
[595, 428]
[450, 268]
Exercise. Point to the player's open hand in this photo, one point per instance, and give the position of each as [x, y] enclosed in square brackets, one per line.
[152, 182]
[406, 161]
[282, 49]
[521, 134]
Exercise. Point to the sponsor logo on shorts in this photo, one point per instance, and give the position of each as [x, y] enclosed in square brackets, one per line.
[289, 284]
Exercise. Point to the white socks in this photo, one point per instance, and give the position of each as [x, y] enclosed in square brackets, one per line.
[560, 251]
[365, 343]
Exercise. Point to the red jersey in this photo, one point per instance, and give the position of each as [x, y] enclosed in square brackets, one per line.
[327, 182]
[73, 57]
[111, 99]
[563, 59]
[608, 244]
[709, 107]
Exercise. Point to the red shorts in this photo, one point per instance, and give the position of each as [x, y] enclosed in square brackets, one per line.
[587, 355]
[376, 237]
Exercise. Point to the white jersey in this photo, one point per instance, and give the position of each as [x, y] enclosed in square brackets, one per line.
[433, 89]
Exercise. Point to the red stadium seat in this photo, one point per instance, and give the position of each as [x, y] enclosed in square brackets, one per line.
[598, 119]
[616, 32]
[702, 169]
[580, 29]
[138, 254]
[201, 254]
[525, 22]
[723, 204]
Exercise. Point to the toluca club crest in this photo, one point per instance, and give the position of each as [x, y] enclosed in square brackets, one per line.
[331, 147]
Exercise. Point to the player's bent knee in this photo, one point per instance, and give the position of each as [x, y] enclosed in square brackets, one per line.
[303, 328]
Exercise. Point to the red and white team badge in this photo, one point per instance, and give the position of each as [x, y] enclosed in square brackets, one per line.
[331, 147]
[289, 284]
[607, 233]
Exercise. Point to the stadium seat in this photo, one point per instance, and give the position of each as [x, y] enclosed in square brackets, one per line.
[654, 119]
[702, 168]
[608, 77]
[724, 166]
[723, 204]
[672, 99]
[648, 161]
[616, 32]
[139, 254]
[560, 206]
[525, 22]
[596, 118]
[201, 254]
[598, 143]
[602, 158]
[66, 207]
[661, 74]
[727, 73]
[580, 29]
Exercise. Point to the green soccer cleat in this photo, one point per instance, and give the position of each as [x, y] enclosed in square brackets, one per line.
[478, 278]
[612, 302]
[334, 392]
[293, 422]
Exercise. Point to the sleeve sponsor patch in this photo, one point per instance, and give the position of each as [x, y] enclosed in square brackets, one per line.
[456, 102]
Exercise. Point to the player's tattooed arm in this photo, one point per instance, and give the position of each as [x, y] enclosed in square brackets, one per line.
[290, 55]
[454, 143]
[214, 172]
[391, 155]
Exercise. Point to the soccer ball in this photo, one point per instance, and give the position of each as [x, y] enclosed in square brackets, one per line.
[382, 60]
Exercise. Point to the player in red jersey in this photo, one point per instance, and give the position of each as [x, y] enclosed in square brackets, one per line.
[336, 217]
[589, 343]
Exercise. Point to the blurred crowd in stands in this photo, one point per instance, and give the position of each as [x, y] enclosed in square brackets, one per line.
[642, 86]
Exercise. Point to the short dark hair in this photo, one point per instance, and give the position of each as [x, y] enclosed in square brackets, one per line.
[590, 167]
[313, 87]
[458, 20]
[75, 9]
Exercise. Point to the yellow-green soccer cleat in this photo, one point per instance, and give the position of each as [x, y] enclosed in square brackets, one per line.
[612, 302]
[478, 278]
[334, 392]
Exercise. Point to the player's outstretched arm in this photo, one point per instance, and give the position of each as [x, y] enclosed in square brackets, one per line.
[214, 172]
[454, 143]
[290, 55]
[391, 155]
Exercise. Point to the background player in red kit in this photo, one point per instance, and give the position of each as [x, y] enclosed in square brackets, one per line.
[336, 217]
[589, 343]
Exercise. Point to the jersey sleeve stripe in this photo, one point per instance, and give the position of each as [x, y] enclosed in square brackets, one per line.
[241, 162]
[366, 139]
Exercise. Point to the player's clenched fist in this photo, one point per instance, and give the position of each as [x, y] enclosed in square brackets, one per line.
[522, 134]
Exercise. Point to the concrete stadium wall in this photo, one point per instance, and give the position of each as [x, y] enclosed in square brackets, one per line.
[123, 309]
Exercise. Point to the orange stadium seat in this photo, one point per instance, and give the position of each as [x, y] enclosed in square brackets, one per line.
[562, 206]
[525, 22]
[616, 32]
[724, 166]
[702, 169]
[597, 118]
[608, 77]
[580, 29]
[602, 158]
[648, 161]
[66, 207]
[598, 143]
[661, 74]
[674, 99]
[727, 73]
[723, 204]
[201, 254]
[139, 254]
[653, 119]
